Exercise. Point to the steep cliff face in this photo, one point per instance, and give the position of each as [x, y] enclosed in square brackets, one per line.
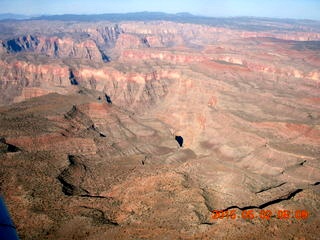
[138, 91]
[92, 43]
[168, 34]
[221, 61]
[179, 73]
[139, 55]
[129, 41]
[65, 47]
[104, 35]
[22, 80]
[17, 75]
[210, 49]
[294, 36]
[33, 75]
[23, 43]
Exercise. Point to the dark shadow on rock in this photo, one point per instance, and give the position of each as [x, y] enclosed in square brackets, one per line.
[72, 78]
[179, 139]
[104, 57]
[12, 148]
[6, 147]
[13, 46]
[108, 99]
[102, 135]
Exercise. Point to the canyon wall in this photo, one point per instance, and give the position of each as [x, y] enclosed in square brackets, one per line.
[143, 129]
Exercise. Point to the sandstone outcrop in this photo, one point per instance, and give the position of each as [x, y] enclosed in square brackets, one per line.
[56, 47]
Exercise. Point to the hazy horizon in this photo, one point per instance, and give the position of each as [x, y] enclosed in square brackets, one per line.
[295, 9]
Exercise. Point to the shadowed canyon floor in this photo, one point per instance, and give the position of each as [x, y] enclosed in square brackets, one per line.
[91, 114]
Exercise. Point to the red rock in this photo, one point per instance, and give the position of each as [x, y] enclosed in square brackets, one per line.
[245, 103]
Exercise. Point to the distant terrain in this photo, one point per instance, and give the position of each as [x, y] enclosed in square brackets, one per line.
[11, 16]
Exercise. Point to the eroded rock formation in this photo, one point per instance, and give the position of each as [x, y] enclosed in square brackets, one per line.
[90, 114]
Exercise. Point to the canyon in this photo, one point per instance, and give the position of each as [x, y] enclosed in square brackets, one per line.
[90, 114]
